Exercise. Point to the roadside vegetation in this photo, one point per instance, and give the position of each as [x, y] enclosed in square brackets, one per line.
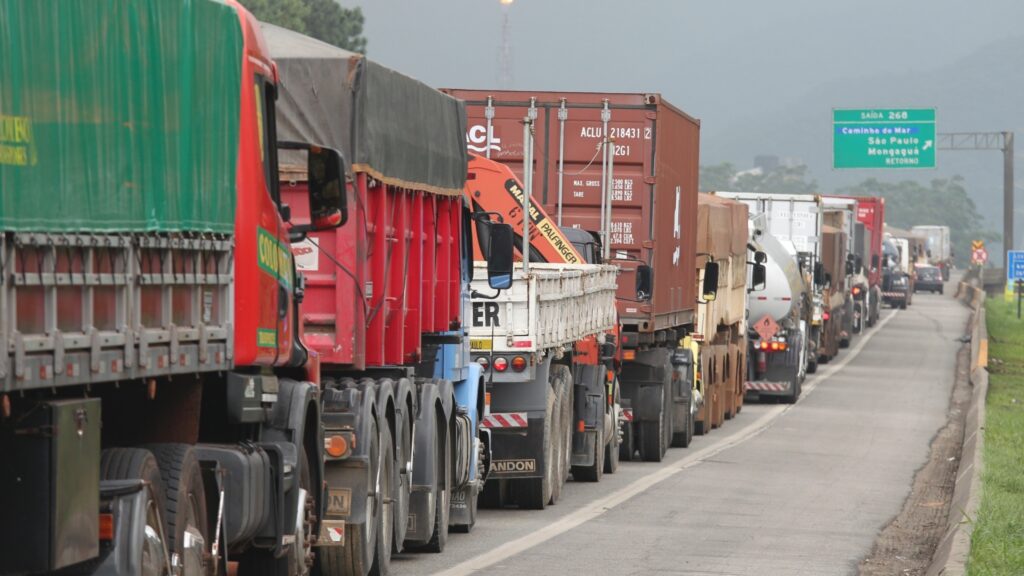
[997, 544]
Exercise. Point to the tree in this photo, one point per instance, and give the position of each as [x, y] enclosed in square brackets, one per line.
[322, 19]
[944, 202]
[290, 14]
[781, 180]
[333, 24]
[717, 177]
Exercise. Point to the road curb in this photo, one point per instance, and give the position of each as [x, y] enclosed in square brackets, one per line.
[950, 558]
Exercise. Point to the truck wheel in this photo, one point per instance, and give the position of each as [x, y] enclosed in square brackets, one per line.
[138, 464]
[535, 493]
[794, 393]
[611, 450]
[443, 482]
[561, 382]
[384, 489]
[358, 553]
[184, 498]
[653, 439]
[683, 439]
[812, 367]
[258, 562]
[627, 448]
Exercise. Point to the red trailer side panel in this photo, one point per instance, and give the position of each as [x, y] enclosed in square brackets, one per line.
[871, 213]
[377, 284]
[654, 184]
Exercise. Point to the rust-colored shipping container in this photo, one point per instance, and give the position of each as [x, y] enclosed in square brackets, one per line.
[653, 184]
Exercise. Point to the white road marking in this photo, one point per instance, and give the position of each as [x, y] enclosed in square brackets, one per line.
[601, 505]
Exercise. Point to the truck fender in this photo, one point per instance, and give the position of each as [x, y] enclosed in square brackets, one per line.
[435, 399]
[469, 395]
[294, 425]
[645, 378]
[346, 480]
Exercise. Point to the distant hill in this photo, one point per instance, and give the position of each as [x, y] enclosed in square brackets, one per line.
[982, 92]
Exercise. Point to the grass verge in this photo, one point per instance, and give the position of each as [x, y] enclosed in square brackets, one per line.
[997, 542]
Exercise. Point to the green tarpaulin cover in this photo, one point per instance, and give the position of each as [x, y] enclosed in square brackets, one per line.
[118, 115]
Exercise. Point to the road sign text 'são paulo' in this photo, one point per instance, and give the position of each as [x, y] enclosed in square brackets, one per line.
[883, 138]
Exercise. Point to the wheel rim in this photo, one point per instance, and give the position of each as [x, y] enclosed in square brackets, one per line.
[373, 479]
[384, 472]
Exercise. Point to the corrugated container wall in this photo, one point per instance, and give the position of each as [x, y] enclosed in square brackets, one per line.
[654, 185]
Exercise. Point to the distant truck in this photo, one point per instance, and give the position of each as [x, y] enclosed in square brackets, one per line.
[796, 221]
[624, 166]
[721, 332]
[939, 247]
[780, 307]
[841, 213]
[871, 213]
[897, 283]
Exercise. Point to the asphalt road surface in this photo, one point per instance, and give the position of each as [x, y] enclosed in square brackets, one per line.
[788, 490]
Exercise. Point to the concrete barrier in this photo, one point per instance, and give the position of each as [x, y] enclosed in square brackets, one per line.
[950, 558]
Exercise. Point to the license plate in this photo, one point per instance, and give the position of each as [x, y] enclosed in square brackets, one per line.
[480, 344]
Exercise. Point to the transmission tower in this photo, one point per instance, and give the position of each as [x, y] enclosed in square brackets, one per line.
[505, 50]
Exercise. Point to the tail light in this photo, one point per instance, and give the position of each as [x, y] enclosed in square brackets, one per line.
[483, 362]
[825, 315]
[500, 364]
[855, 290]
[338, 446]
[518, 364]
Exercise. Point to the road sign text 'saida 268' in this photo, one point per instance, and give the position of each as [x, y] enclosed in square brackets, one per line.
[883, 138]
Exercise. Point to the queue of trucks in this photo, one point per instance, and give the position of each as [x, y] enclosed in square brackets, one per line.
[300, 312]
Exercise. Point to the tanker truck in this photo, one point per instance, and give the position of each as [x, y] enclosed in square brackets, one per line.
[780, 307]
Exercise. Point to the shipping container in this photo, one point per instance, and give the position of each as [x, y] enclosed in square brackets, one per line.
[653, 183]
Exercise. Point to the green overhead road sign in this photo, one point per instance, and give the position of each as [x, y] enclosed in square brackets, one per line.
[883, 138]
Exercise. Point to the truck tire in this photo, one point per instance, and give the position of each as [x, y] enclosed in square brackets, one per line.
[684, 438]
[443, 481]
[358, 554]
[611, 450]
[259, 562]
[812, 367]
[903, 304]
[385, 489]
[561, 382]
[794, 393]
[137, 464]
[627, 447]
[183, 500]
[654, 438]
[535, 493]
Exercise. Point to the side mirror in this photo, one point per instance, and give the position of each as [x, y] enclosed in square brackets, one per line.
[828, 279]
[328, 200]
[760, 257]
[644, 282]
[759, 277]
[849, 267]
[497, 243]
[709, 290]
[819, 274]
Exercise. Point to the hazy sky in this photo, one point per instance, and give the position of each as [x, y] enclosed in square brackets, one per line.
[762, 75]
[716, 59]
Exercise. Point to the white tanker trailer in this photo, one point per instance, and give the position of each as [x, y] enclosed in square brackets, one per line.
[780, 312]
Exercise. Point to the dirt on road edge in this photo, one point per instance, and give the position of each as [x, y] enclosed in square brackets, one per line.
[906, 545]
